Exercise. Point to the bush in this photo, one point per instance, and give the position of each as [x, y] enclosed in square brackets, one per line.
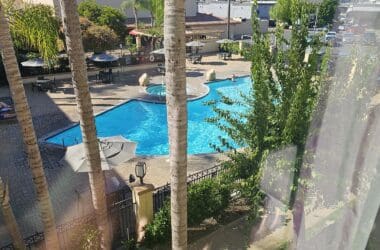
[206, 199]
[99, 39]
[104, 15]
[159, 230]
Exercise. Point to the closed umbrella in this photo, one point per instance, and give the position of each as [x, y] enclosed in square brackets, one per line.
[225, 41]
[158, 51]
[195, 44]
[113, 151]
[33, 63]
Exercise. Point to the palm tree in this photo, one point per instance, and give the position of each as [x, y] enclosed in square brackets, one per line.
[9, 218]
[70, 20]
[24, 118]
[136, 5]
[35, 27]
[175, 78]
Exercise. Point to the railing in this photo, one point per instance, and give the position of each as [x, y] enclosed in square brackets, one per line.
[122, 217]
[161, 194]
[29, 241]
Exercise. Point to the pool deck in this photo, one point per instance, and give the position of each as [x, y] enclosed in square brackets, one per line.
[52, 111]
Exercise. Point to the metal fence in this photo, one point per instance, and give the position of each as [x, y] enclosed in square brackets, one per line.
[121, 214]
[161, 194]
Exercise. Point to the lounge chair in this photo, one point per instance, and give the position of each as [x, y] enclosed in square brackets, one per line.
[6, 110]
[196, 59]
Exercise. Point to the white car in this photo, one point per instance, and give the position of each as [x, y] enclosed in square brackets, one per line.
[341, 28]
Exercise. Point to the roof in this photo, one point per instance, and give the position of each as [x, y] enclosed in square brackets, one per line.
[199, 19]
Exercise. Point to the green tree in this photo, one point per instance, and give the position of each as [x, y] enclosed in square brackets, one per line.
[99, 39]
[104, 15]
[326, 12]
[278, 109]
[114, 19]
[35, 28]
[90, 9]
[135, 5]
[281, 11]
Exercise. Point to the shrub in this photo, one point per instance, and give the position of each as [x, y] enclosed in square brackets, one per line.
[159, 230]
[103, 15]
[206, 199]
[99, 39]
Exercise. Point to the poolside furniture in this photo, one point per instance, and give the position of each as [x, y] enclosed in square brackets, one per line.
[114, 150]
[7, 111]
[194, 59]
[104, 76]
[161, 68]
[43, 84]
[224, 55]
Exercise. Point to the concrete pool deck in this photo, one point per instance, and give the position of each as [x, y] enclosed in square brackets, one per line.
[52, 111]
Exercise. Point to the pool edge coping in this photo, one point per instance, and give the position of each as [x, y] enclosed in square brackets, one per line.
[42, 139]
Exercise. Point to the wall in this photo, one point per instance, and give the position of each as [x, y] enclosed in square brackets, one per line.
[242, 10]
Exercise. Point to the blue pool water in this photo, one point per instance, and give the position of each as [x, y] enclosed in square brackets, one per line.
[146, 124]
[159, 90]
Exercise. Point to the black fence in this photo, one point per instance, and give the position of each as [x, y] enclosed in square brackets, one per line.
[121, 212]
[161, 194]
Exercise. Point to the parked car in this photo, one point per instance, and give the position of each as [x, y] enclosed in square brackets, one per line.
[330, 38]
[341, 28]
[369, 38]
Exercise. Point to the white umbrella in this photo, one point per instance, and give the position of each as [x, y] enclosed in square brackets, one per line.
[37, 62]
[248, 41]
[113, 151]
[195, 44]
[103, 58]
[158, 51]
[225, 41]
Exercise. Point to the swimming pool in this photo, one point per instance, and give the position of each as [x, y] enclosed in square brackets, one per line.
[146, 124]
[158, 90]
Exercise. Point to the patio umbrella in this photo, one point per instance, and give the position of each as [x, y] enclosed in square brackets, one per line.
[103, 58]
[248, 41]
[225, 41]
[33, 63]
[113, 151]
[195, 44]
[158, 51]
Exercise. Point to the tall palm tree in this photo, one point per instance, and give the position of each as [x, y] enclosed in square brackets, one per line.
[70, 20]
[136, 5]
[9, 218]
[175, 78]
[24, 118]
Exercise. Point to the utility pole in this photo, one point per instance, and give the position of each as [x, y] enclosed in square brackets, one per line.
[228, 19]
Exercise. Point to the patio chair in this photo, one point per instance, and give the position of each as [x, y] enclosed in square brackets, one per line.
[7, 112]
[161, 68]
[196, 59]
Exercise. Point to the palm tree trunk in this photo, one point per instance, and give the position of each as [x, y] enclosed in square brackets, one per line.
[9, 218]
[70, 20]
[151, 19]
[174, 33]
[24, 118]
[136, 18]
